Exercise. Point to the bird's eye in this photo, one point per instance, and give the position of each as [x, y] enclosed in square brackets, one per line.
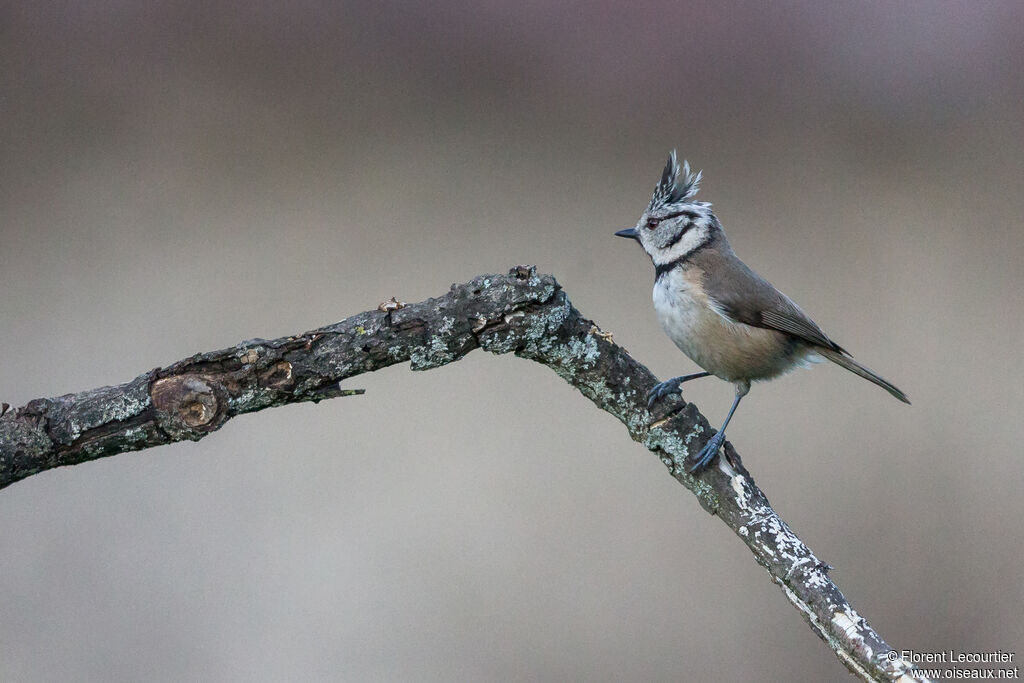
[652, 223]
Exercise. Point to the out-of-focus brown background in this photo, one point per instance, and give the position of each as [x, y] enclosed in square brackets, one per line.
[177, 177]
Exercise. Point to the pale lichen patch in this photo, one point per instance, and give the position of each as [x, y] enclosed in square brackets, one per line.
[446, 326]
[584, 350]
[739, 485]
[434, 355]
[851, 624]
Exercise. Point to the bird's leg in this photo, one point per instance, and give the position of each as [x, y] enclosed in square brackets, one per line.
[710, 450]
[671, 386]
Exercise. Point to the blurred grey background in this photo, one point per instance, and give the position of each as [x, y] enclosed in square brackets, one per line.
[178, 177]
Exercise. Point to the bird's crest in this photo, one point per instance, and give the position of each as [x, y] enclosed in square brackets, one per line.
[677, 185]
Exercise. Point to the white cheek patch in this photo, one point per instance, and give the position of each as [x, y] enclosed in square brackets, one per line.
[690, 241]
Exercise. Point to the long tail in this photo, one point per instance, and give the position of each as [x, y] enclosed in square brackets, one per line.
[858, 369]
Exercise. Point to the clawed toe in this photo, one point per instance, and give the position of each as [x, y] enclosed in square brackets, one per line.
[661, 390]
[708, 453]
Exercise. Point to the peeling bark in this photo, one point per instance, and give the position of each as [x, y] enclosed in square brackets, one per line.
[521, 313]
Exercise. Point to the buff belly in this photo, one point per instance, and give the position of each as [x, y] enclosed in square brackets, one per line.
[729, 350]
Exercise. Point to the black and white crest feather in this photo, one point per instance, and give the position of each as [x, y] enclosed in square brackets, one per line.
[677, 186]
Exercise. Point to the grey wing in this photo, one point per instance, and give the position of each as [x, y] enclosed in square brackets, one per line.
[743, 296]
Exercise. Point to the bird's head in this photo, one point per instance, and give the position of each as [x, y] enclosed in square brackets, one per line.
[673, 225]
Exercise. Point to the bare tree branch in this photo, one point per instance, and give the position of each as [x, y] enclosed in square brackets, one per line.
[522, 313]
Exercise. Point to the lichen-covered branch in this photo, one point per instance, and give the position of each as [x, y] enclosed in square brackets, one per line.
[522, 313]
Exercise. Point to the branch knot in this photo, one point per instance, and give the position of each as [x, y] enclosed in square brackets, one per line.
[189, 406]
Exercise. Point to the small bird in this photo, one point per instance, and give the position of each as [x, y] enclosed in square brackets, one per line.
[728, 319]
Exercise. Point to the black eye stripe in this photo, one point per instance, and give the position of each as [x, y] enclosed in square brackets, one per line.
[692, 215]
[652, 223]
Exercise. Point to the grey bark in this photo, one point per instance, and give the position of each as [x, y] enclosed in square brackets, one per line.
[521, 313]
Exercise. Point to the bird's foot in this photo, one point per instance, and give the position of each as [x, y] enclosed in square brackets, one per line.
[708, 453]
[663, 389]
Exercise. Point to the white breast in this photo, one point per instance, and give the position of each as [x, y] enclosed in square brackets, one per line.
[682, 310]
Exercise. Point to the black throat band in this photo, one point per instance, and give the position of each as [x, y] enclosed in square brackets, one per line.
[662, 269]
